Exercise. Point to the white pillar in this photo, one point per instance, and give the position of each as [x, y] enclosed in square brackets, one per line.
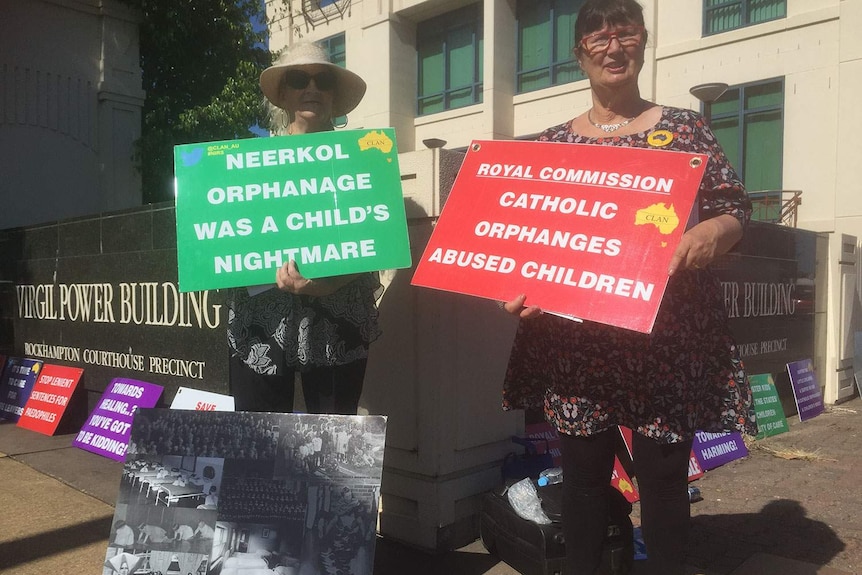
[437, 372]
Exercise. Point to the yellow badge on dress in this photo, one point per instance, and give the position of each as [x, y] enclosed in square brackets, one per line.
[660, 138]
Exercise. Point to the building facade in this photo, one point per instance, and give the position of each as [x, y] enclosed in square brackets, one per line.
[70, 109]
[456, 70]
[503, 69]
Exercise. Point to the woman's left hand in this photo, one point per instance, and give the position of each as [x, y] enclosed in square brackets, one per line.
[517, 307]
[290, 280]
[705, 242]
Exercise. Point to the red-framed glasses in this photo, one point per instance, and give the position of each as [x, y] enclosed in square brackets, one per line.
[626, 35]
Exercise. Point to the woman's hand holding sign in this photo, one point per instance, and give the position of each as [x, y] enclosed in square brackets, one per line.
[517, 307]
[697, 248]
[290, 280]
[704, 242]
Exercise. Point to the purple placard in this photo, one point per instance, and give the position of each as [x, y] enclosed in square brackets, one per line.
[108, 428]
[17, 382]
[715, 449]
[806, 389]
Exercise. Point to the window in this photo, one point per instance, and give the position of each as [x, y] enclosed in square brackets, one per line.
[546, 36]
[317, 4]
[449, 48]
[748, 120]
[334, 46]
[723, 15]
[188, 463]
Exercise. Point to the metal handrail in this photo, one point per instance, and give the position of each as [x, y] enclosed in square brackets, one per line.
[322, 11]
[783, 203]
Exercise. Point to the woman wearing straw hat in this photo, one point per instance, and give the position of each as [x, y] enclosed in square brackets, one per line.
[298, 107]
[321, 328]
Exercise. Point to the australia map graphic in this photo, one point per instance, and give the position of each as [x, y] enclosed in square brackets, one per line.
[662, 216]
[376, 139]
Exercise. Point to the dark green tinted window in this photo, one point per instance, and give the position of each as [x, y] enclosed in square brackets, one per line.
[723, 15]
[546, 31]
[335, 47]
[449, 49]
[749, 123]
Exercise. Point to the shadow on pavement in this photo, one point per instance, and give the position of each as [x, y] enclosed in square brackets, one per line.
[394, 557]
[47, 543]
[781, 528]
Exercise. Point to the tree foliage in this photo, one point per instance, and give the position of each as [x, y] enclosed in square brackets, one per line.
[201, 60]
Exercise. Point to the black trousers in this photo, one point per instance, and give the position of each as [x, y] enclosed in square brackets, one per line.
[662, 478]
[326, 389]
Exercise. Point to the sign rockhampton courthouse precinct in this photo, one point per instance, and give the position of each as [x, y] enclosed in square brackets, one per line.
[101, 294]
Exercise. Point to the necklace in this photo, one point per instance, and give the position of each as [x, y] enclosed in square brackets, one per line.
[608, 127]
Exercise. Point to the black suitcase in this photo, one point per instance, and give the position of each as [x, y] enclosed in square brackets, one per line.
[534, 549]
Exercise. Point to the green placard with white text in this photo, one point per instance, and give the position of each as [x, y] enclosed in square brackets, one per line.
[330, 201]
[767, 406]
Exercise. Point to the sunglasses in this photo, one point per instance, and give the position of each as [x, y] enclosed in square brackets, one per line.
[299, 80]
[627, 36]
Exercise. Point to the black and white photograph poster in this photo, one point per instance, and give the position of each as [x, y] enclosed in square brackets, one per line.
[229, 493]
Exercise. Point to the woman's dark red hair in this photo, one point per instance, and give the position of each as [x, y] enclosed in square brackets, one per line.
[596, 14]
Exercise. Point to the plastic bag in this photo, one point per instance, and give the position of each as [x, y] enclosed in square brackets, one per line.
[524, 499]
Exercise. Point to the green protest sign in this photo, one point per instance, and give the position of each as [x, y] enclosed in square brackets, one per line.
[767, 407]
[330, 201]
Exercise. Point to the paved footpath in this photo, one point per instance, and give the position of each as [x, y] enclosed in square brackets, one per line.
[791, 508]
[808, 508]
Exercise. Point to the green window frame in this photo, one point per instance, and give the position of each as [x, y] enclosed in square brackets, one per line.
[748, 121]
[724, 15]
[336, 49]
[546, 37]
[449, 51]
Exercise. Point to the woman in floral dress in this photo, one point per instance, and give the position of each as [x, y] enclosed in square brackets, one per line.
[686, 375]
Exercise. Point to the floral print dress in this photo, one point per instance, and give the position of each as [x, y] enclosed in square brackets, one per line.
[684, 376]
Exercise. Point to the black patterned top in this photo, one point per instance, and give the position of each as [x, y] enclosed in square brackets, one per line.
[275, 332]
[687, 374]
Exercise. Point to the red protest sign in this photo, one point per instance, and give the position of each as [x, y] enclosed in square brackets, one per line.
[50, 396]
[584, 231]
[622, 482]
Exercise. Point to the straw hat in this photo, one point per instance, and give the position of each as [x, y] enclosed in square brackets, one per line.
[349, 87]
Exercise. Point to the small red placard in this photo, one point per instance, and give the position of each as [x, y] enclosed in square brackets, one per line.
[50, 397]
[584, 231]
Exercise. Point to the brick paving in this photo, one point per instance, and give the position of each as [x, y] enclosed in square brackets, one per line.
[807, 509]
[761, 515]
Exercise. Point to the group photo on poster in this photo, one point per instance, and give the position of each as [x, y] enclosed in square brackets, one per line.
[328, 529]
[225, 493]
[329, 447]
